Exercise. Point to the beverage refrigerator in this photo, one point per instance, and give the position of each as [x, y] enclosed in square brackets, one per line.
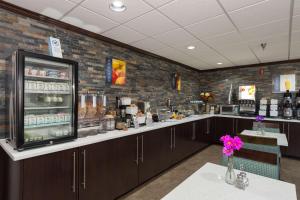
[42, 103]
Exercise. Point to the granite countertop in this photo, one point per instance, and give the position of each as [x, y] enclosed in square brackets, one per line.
[20, 155]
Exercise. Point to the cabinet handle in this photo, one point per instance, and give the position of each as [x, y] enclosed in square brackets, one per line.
[232, 126]
[283, 125]
[171, 142]
[142, 157]
[137, 150]
[74, 173]
[194, 131]
[207, 126]
[236, 126]
[84, 169]
[174, 137]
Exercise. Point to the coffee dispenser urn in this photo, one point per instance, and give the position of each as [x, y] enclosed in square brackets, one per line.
[298, 105]
[287, 105]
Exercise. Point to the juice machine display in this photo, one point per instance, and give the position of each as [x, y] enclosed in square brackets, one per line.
[247, 100]
[42, 103]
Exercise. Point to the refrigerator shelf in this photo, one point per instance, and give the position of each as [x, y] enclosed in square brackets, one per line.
[46, 92]
[44, 78]
[45, 108]
[46, 125]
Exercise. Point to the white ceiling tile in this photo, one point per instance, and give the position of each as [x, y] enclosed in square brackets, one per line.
[210, 27]
[149, 44]
[276, 49]
[186, 12]
[196, 63]
[296, 7]
[296, 23]
[157, 3]
[265, 30]
[225, 39]
[231, 5]
[151, 23]
[295, 50]
[175, 37]
[239, 54]
[261, 13]
[77, 1]
[134, 8]
[48, 8]
[295, 37]
[91, 21]
[124, 34]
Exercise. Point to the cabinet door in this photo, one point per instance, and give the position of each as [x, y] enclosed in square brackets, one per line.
[223, 126]
[96, 172]
[125, 168]
[243, 124]
[183, 141]
[155, 153]
[2, 172]
[51, 176]
[203, 133]
[293, 137]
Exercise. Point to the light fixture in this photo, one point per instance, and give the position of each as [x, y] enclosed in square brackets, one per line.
[191, 47]
[219, 63]
[117, 5]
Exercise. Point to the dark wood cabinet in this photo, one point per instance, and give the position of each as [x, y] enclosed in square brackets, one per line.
[49, 177]
[155, 153]
[204, 133]
[292, 132]
[3, 158]
[223, 126]
[96, 174]
[243, 124]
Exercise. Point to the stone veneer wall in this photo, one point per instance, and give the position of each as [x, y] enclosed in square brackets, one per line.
[148, 78]
[219, 81]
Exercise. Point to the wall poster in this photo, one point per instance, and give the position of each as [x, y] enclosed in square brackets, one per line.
[115, 71]
[284, 82]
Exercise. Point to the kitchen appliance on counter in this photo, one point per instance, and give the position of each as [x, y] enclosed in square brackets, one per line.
[263, 107]
[274, 108]
[197, 106]
[247, 101]
[287, 105]
[42, 100]
[298, 105]
[229, 109]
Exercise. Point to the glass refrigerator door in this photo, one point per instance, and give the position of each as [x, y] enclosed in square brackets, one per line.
[48, 100]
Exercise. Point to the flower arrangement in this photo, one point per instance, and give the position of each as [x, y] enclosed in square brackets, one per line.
[259, 118]
[231, 144]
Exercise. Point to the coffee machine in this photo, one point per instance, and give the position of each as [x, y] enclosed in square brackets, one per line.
[287, 105]
[298, 105]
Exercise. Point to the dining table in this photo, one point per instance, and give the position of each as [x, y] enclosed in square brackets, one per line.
[208, 183]
[281, 137]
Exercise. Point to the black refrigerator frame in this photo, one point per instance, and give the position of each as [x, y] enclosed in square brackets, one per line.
[16, 97]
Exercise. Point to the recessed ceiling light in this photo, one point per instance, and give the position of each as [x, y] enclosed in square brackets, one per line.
[117, 5]
[219, 63]
[191, 47]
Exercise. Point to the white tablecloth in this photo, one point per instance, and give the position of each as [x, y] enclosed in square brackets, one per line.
[281, 138]
[208, 184]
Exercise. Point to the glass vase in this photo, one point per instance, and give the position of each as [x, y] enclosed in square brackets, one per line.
[230, 175]
[260, 128]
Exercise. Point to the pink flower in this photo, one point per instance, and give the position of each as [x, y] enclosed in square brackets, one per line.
[227, 152]
[231, 144]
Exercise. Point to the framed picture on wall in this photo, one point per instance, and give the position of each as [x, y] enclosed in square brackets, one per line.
[115, 71]
[282, 83]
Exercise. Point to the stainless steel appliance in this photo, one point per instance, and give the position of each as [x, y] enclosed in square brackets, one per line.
[197, 106]
[229, 109]
[42, 100]
[287, 105]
